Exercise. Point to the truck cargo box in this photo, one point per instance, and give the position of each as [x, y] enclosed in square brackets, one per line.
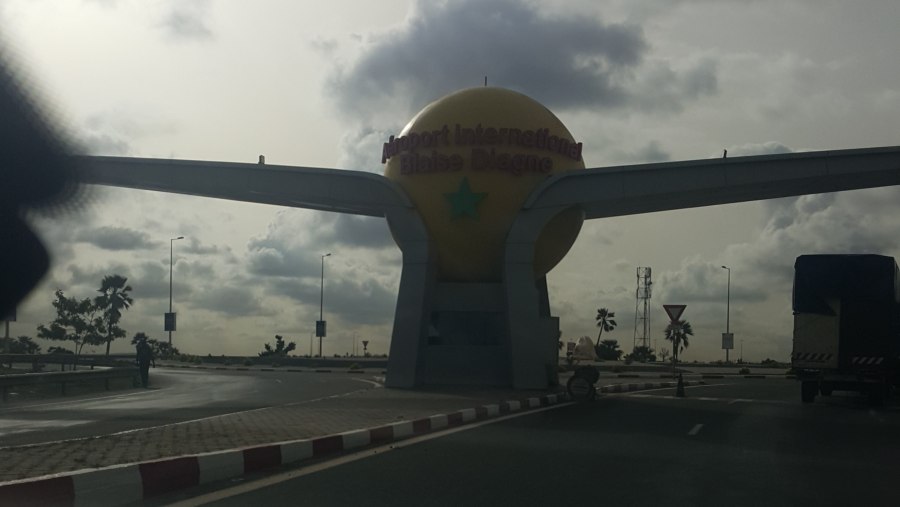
[846, 312]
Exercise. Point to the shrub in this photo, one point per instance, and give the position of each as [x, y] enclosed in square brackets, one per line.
[248, 362]
[744, 371]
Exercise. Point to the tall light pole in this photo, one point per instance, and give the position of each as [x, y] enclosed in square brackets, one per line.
[171, 262]
[728, 309]
[321, 303]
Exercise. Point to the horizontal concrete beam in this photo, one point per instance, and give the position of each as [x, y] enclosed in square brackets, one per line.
[626, 190]
[344, 191]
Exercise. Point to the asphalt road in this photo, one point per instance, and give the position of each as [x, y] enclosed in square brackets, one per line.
[175, 395]
[735, 442]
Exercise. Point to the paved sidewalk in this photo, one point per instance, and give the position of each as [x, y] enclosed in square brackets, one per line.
[126, 467]
[366, 408]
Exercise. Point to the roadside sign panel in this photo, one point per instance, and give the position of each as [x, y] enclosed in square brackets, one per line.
[169, 323]
[674, 311]
[320, 328]
[727, 341]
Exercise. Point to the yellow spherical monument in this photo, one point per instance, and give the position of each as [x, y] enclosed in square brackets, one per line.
[468, 161]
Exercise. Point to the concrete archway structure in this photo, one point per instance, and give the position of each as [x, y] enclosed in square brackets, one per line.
[524, 352]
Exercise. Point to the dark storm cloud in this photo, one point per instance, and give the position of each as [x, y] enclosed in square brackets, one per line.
[861, 221]
[194, 246]
[148, 280]
[117, 238]
[658, 87]
[778, 212]
[361, 148]
[272, 256]
[703, 282]
[364, 301]
[187, 21]
[81, 278]
[351, 230]
[649, 153]
[295, 241]
[854, 222]
[324, 46]
[766, 148]
[563, 62]
[230, 300]
[198, 271]
[109, 4]
[360, 301]
[113, 132]
[104, 144]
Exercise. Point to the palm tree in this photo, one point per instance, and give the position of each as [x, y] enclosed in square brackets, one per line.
[605, 322]
[677, 332]
[114, 297]
[609, 349]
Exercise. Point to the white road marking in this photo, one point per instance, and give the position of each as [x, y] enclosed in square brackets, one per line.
[376, 384]
[730, 401]
[15, 426]
[80, 401]
[696, 429]
[348, 458]
[669, 389]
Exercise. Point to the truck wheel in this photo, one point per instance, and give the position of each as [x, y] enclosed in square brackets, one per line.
[825, 389]
[808, 390]
[876, 395]
[581, 389]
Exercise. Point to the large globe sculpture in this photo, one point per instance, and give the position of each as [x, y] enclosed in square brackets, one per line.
[468, 161]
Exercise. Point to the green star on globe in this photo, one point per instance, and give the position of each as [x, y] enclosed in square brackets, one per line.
[464, 202]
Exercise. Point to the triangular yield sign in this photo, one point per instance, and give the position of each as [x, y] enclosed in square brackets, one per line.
[674, 311]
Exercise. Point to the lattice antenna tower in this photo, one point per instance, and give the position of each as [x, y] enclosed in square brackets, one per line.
[642, 308]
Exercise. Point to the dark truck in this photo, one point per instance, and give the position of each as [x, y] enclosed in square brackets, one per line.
[846, 325]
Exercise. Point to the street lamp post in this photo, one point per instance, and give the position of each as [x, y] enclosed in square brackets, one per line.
[171, 262]
[728, 309]
[322, 301]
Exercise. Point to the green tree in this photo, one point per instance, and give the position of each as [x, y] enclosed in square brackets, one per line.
[77, 321]
[20, 345]
[279, 350]
[609, 350]
[664, 354]
[677, 333]
[642, 354]
[605, 321]
[161, 349]
[113, 299]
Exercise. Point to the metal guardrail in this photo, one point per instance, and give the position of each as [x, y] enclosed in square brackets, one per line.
[63, 378]
[63, 360]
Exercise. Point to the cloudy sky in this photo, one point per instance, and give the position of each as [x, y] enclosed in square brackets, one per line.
[313, 84]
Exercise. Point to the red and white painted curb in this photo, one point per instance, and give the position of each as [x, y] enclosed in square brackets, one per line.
[122, 484]
[624, 388]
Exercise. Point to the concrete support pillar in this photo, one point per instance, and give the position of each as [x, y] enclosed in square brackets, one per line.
[414, 298]
[533, 333]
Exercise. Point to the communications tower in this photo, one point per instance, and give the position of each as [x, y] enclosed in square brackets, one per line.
[641, 308]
